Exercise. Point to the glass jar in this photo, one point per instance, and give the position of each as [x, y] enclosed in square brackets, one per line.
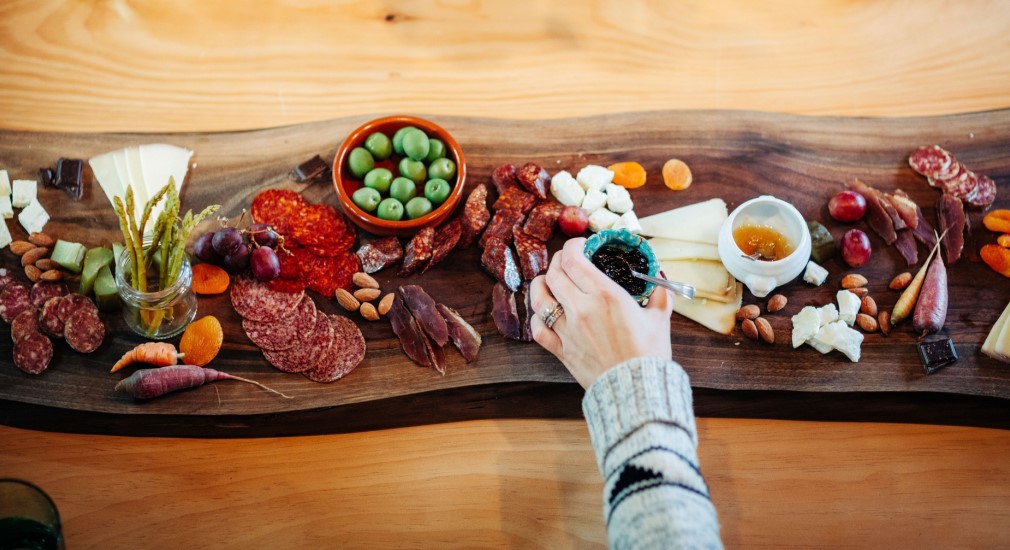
[158, 314]
[28, 517]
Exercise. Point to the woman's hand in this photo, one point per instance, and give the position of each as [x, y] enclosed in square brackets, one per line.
[602, 325]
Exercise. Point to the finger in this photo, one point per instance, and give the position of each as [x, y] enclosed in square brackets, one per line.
[540, 298]
[542, 302]
[546, 337]
[559, 284]
[660, 302]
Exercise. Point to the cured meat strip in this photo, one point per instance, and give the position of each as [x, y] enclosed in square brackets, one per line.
[532, 253]
[418, 251]
[33, 353]
[950, 212]
[515, 199]
[503, 311]
[42, 291]
[346, 352]
[307, 352]
[475, 216]
[84, 331]
[422, 307]
[406, 329]
[543, 219]
[255, 301]
[504, 177]
[876, 216]
[466, 339]
[282, 334]
[436, 353]
[24, 324]
[446, 238]
[14, 299]
[498, 260]
[501, 226]
[906, 246]
[527, 329]
[49, 318]
[535, 179]
[905, 208]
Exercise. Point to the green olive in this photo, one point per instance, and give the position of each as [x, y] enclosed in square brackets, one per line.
[360, 161]
[379, 145]
[403, 189]
[417, 207]
[366, 198]
[436, 190]
[415, 144]
[442, 168]
[413, 169]
[390, 209]
[398, 139]
[379, 179]
[436, 150]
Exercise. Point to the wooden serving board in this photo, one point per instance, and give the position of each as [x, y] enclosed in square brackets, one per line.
[733, 155]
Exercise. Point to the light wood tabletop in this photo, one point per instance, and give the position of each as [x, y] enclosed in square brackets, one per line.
[181, 66]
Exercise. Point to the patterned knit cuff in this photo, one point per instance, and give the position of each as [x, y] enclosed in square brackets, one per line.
[635, 393]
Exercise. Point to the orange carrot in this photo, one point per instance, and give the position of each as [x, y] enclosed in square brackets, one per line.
[903, 308]
[159, 354]
[209, 279]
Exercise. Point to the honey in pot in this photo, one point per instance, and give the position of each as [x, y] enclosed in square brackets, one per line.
[762, 242]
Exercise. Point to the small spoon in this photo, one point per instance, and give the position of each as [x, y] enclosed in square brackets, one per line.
[682, 289]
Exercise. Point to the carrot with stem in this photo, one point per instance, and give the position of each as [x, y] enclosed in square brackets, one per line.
[150, 383]
[903, 307]
[159, 354]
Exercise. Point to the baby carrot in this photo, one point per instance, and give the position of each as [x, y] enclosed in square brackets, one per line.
[159, 354]
[903, 308]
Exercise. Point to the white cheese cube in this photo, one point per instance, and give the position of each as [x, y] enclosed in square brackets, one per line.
[566, 189]
[5, 235]
[618, 199]
[806, 323]
[594, 201]
[33, 218]
[5, 184]
[594, 177]
[828, 314]
[820, 346]
[629, 221]
[815, 274]
[6, 210]
[848, 306]
[602, 219]
[24, 193]
[841, 337]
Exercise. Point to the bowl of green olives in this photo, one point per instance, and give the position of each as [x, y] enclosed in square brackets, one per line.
[397, 174]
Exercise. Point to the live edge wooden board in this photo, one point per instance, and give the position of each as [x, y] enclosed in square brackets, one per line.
[733, 155]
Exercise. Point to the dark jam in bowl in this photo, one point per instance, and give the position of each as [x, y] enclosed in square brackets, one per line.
[618, 262]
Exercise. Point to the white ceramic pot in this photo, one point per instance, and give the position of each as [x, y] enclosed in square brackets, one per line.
[761, 276]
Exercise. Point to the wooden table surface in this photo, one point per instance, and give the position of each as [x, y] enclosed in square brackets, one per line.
[198, 66]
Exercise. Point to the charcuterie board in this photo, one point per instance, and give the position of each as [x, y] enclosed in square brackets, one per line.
[733, 155]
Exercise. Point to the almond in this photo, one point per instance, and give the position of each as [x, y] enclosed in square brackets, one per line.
[776, 303]
[51, 275]
[385, 303]
[364, 280]
[41, 239]
[33, 273]
[884, 322]
[765, 330]
[367, 294]
[866, 322]
[34, 255]
[20, 247]
[853, 280]
[860, 291]
[868, 306]
[899, 282]
[45, 264]
[750, 329]
[347, 300]
[749, 311]
[368, 312]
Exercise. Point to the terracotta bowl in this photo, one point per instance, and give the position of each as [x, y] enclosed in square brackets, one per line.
[346, 184]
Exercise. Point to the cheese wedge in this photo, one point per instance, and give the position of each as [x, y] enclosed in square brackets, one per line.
[705, 276]
[161, 161]
[1001, 346]
[699, 222]
[140, 190]
[673, 249]
[989, 346]
[104, 168]
[717, 316]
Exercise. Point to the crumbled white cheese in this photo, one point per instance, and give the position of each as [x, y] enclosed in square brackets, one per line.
[815, 274]
[618, 199]
[566, 189]
[594, 177]
[6, 209]
[602, 219]
[33, 218]
[841, 337]
[24, 193]
[828, 313]
[806, 323]
[630, 222]
[848, 306]
[5, 184]
[594, 201]
[5, 235]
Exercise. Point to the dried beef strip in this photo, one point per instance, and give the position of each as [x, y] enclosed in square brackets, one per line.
[466, 339]
[446, 238]
[501, 226]
[84, 331]
[33, 353]
[346, 352]
[499, 261]
[876, 216]
[950, 212]
[504, 313]
[543, 219]
[418, 251]
[535, 179]
[515, 199]
[526, 335]
[504, 177]
[905, 243]
[409, 333]
[532, 253]
[14, 299]
[905, 207]
[475, 216]
[422, 308]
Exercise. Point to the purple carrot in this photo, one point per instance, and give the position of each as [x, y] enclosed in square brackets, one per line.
[149, 383]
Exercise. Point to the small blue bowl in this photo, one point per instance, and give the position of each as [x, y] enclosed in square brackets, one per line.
[625, 239]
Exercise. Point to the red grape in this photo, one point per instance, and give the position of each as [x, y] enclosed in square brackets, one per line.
[262, 234]
[265, 264]
[855, 247]
[203, 248]
[227, 240]
[847, 206]
[238, 260]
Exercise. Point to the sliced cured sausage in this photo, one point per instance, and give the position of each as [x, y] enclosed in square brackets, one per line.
[33, 353]
[418, 251]
[543, 219]
[49, 317]
[984, 193]
[515, 199]
[84, 331]
[504, 177]
[346, 352]
[475, 216]
[933, 162]
[380, 254]
[14, 299]
[532, 253]
[6, 278]
[499, 261]
[255, 301]
[24, 324]
[282, 334]
[73, 302]
[501, 226]
[446, 238]
[307, 352]
[42, 291]
[535, 179]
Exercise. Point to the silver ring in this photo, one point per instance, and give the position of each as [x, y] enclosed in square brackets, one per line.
[551, 314]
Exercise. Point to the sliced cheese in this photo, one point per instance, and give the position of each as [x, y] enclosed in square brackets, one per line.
[140, 191]
[989, 346]
[673, 249]
[699, 222]
[161, 161]
[5, 235]
[705, 276]
[104, 168]
[1002, 344]
[717, 316]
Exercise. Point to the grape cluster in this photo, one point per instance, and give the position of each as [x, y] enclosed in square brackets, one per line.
[236, 250]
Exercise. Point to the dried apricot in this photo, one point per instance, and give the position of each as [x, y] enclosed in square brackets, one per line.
[202, 341]
[677, 175]
[997, 220]
[996, 257]
[1003, 240]
[629, 175]
[209, 279]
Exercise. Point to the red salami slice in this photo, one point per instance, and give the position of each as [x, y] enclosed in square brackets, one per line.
[42, 291]
[933, 162]
[27, 322]
[962, 186]
[282, 334]
[307, 352]
[346, 352]
[418, 251]
[446, 238]
[326, 275]
[535, 179]
[515, 199]
[253, 300]
[321, 226]
[33, 353]
[277, 208]
[475, 216]
[543, 219]
[73, 302]
[532, 253]
[380, 254]
[504, 177]
[13, 300]
[84, 331]
[984, 193]
[49, 318]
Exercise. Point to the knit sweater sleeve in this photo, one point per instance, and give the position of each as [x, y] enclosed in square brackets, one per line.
[642, 426]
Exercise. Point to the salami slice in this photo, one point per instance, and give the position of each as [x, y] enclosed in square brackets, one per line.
[446, 238]
[282, 334]
[33, 353]
[535, 179]
[6, 278]
[532, 253]
[277, 208]
[984, 193]
[73, 302]
[504, 177]
[27, 322]
[13, 300]
[418, 251]
[84, 331]
[543, 219]
[346, 352]
[962, 186]
[307, 352]
[320, 225]
[326, 274]
[253, 300]
[475, 216]
[42, 291]
[380, 254]
[49, 317]
[933, 162]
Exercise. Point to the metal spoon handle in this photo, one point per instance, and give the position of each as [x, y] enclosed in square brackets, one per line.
[682, 289]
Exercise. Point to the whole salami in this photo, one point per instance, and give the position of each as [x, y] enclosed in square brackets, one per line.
[33, 353]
